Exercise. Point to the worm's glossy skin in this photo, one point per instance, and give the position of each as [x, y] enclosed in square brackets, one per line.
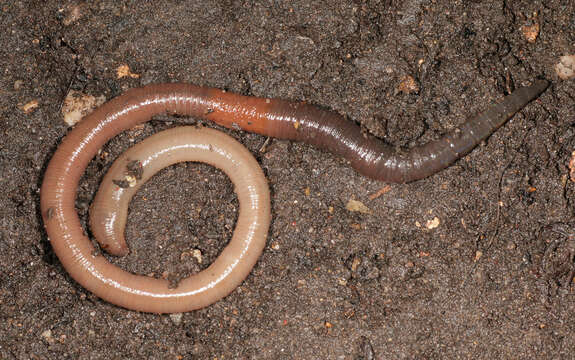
[276, 118]
[143, 293]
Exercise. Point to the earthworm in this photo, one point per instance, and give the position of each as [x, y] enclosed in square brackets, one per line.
[271, 117]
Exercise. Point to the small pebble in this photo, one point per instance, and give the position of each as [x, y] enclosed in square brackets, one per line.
[29, 106]
[176, 318]
[565, 69]
[77, 105]
[433, 223]
[355, 263]
[72, 13]
[47, 335]
[408, 85]
[478, 255]
[197, 254]
[124, 71]
[531, 32]
[354, 205]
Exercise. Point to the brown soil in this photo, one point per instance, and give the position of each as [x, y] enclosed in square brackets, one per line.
[493, 280]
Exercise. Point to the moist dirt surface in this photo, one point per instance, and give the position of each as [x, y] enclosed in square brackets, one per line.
[476, 261]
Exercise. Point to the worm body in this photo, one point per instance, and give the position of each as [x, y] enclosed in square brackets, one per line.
[276, 118]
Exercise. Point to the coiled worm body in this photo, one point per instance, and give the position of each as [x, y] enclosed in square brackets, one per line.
[108, 217]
